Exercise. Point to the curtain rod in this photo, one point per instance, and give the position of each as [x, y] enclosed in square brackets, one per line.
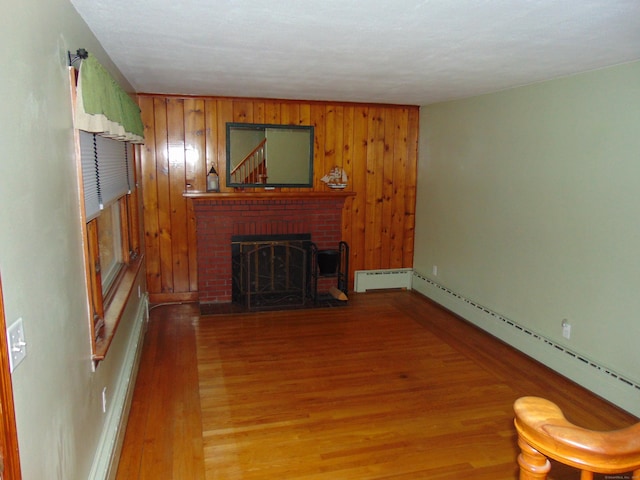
[81, 54]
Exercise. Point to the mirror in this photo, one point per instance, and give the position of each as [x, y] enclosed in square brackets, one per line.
[260, 155]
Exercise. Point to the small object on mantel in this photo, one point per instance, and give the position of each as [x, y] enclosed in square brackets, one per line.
[336, 178]
[338, 294]
[213, 181]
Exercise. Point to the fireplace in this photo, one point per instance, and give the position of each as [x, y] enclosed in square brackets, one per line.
[272, 271]
[221, 217]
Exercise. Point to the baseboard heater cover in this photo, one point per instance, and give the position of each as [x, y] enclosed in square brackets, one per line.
[105, 463]
[382, 279]
[592, 375]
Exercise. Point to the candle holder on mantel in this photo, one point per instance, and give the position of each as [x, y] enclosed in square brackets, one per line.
[213, 180]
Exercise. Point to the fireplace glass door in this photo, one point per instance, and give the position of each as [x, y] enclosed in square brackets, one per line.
[271, 273]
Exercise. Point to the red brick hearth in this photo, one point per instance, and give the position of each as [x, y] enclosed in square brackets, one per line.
[218, 219]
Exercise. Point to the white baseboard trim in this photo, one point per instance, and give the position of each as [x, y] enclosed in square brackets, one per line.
[595, 377]
[107, 455]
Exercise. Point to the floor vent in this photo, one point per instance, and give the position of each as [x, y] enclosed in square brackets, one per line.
[382, 279]
[550, 343]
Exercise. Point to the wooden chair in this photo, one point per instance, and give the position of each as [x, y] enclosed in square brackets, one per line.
[544, 432]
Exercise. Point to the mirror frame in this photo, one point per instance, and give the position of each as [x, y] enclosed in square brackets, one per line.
[264, 126]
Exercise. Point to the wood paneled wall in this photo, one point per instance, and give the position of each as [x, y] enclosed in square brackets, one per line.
[184, 136]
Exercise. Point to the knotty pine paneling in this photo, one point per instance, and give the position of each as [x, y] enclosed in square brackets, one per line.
[375, 144]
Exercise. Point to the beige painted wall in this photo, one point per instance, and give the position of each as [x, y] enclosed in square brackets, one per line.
[58, 397]
[529, 204]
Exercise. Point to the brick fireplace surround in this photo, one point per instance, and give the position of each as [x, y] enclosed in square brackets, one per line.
[219, 218]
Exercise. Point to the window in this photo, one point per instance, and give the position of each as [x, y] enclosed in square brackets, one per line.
[109, 198]
[109, 245]
[110, 226]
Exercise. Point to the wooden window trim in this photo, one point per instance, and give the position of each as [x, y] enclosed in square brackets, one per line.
[107, 309]
[118, 302]
[94, 282]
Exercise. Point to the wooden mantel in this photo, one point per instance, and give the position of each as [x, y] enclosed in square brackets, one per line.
[268, 195]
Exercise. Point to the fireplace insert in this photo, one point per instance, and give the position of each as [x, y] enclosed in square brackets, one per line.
[272, 271]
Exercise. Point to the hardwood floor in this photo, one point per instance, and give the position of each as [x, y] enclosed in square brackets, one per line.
[390, 387]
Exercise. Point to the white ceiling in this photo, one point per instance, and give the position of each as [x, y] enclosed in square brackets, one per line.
[402, 51]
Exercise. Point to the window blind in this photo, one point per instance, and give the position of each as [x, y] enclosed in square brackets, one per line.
[88, 156]
[128, 156]
[106, 171]
[112, 169]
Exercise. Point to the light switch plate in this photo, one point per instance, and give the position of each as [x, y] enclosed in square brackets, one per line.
[17, 343]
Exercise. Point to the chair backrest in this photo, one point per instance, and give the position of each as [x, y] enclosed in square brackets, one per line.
[544, 432]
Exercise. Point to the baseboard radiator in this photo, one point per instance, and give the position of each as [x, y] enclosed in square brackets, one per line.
[592, 375]
[382, 279]
[105, 464]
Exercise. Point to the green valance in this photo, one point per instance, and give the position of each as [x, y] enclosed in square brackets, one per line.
[103, 107]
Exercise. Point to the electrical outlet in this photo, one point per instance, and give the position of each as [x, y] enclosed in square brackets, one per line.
[17, 344]
[434, 270]
[566, 329]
